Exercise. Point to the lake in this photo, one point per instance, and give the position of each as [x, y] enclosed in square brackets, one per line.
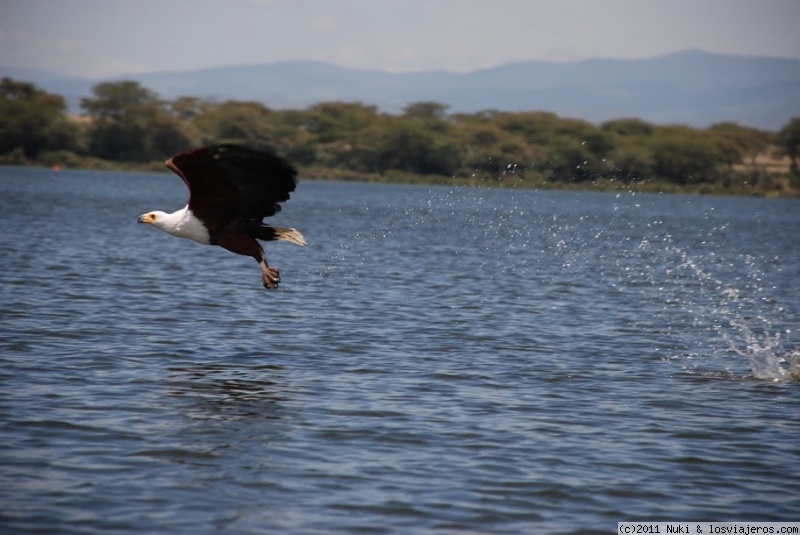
[436, 360]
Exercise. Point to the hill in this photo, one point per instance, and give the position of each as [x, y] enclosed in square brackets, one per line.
[691, 87]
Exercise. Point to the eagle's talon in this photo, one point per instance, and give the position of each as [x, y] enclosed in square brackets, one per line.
[271, 278]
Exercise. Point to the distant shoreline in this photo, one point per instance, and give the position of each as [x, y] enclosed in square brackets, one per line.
[129, 127]
[600, 185]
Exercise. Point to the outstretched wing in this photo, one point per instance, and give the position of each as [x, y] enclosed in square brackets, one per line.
[262, 178]
[230, 182]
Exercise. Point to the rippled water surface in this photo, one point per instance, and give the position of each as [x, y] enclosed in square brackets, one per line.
[436, 360]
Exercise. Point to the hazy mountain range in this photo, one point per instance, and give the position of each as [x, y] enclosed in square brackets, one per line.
[690, 87]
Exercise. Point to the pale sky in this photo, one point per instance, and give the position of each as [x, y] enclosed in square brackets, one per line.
[101, 38]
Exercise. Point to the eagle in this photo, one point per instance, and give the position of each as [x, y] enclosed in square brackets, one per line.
[232, 188]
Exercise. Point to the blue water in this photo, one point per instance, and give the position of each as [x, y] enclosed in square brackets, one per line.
[436, 360]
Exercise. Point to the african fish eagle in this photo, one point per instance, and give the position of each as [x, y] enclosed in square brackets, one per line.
[231, 189]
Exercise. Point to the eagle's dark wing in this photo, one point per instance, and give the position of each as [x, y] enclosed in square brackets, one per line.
[262, 178]
[230, 182]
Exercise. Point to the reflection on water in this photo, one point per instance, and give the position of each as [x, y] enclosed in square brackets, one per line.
[229, 392]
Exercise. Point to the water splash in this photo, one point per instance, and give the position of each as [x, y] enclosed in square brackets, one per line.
[738, 313]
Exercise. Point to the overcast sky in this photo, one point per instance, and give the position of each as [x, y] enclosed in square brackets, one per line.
[102, 38]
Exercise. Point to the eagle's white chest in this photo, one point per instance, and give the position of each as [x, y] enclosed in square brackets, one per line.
[184, 224]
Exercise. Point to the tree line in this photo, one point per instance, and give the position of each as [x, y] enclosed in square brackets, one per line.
[128, 123]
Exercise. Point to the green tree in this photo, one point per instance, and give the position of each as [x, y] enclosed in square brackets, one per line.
[569, 160]
[33, 120]
[631, 163]
[244, 122]
[629, 127]
[489, 150]
[632, 158]
[130, 123]
[188, 108]
[340, 121]
[289, 128]
[789, 139]
[407, 145]
[426, 110]
[737, 143]
[341, 135]
[684, 155]
[594, 140]
[537, 127]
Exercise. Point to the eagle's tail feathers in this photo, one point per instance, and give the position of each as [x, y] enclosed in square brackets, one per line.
[276, 233]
